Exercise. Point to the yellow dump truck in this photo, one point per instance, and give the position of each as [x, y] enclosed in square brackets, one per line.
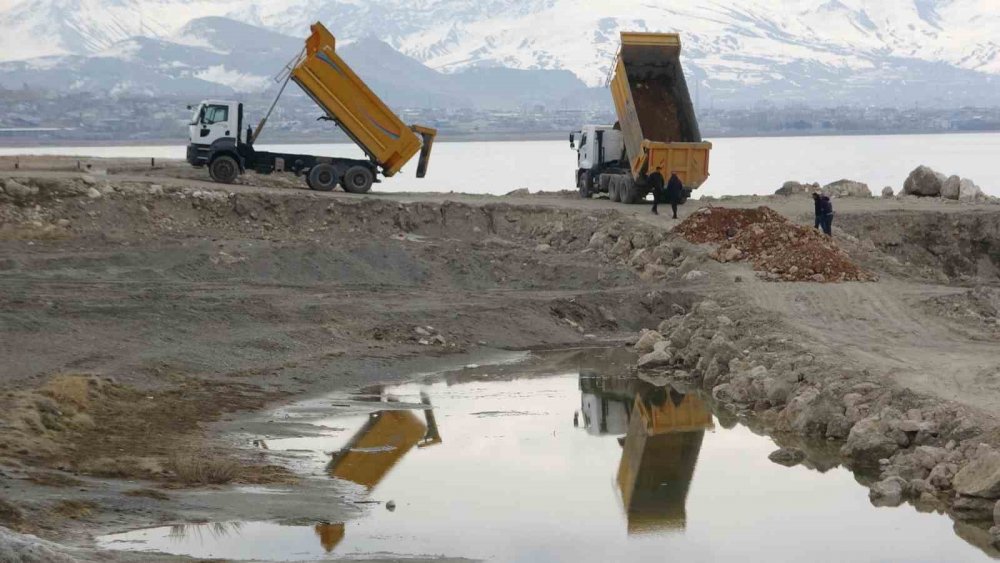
[657, 128]
[220, 138]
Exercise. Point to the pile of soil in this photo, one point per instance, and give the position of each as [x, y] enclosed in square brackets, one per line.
[777, 247]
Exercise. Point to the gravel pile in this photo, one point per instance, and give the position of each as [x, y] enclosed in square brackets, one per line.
[780, 249]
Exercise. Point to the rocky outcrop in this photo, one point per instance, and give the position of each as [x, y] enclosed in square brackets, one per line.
[797, 188]
[920, 447]
[847, 188]
[924, 182]
[888, 192]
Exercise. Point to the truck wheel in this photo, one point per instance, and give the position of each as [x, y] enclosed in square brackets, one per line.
[358, 180]
[583, 184]
[224, 169]
[614, 191]
[322, 178]
[633, 193]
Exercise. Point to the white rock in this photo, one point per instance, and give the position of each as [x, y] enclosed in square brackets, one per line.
[968, 191]
[647, 341]
[694, 275]
[950, 188]
[94, 193]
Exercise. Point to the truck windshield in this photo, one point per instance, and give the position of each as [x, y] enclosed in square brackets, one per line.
[215, 114]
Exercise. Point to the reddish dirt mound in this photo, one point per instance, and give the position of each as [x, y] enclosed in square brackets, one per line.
[775, 246]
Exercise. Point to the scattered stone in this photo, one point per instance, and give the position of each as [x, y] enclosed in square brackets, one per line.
[981, 477]
[924, 182]
[390, 506]
[439, 340]
[789, 457]
[543, 248]
[869, 441]
[421, 331]
[847, 188]
[995, 536]
[888, 192]
[94, 193]
[888, 492]
[63, 223]
[694, 275]
[646, 342]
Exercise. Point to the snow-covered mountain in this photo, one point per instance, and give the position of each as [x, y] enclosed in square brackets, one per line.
[896, 50]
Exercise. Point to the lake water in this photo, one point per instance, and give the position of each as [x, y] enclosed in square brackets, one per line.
[580, 465]
[739, 165]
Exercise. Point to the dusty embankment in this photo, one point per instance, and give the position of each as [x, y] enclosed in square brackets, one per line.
[136, 310]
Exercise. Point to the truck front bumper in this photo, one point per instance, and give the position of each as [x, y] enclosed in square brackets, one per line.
[197, 155]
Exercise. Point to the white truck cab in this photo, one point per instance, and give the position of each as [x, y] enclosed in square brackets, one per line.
[599, 148]
[214, 122]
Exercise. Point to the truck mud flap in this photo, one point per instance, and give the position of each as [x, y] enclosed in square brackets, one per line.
[428, 135]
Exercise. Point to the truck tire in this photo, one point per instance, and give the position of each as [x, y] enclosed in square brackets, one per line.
[322, 178]
[633, 193]
[358, 180]
[605, 182]
[614, 191]
[224, 169]
[583, 184]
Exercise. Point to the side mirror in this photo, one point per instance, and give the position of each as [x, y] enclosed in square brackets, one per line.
[572, 141]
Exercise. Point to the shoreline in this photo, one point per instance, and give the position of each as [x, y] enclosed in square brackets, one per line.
[8, 143]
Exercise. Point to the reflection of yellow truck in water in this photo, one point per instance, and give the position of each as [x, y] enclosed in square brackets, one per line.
[659, 457]
[657, 127]
[221, 139]
[386, 437]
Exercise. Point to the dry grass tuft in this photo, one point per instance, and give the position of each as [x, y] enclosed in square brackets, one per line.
[70, 389]
[148, 493]
[53, 479]
[204, 468]
[74, 509]
[11, 515]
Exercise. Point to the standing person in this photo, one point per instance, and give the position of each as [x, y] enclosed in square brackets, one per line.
[818, 208]
[656, 182]
[675, 192]
[826, 207]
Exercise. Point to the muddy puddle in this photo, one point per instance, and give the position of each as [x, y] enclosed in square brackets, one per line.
[561, 463]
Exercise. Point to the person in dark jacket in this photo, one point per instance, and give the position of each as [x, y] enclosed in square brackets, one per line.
[826, 212]
[675, 192]
[817, 207]
[656, 183]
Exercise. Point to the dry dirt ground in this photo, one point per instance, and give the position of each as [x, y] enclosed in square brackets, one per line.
[139, 305]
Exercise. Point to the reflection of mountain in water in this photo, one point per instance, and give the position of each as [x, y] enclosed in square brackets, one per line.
[665, 429]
